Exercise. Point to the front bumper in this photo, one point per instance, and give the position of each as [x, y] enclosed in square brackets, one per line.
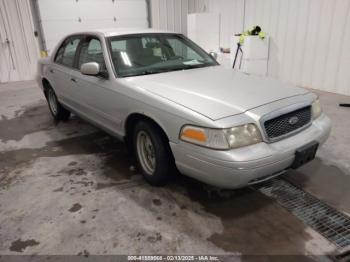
[244, 166]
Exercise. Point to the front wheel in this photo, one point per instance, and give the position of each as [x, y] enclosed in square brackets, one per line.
[153, 154]
[56, 109]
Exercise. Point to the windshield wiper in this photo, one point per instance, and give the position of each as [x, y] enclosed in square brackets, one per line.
[164, 70]
[194, 66]
[145, 72]
[157, 71]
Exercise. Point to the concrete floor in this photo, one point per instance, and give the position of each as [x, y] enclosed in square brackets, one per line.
[69, 188]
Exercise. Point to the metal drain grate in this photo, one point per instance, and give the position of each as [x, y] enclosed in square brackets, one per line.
[332, 224]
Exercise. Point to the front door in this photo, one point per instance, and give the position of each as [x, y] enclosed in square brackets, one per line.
[61, 70]
[99, 101]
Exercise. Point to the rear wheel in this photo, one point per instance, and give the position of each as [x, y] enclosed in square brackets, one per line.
[152, 153]
[56, 109]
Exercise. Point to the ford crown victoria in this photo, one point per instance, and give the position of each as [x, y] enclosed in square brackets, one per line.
[177, 108]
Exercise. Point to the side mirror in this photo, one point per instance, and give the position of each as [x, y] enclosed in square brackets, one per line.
[91, 69]
[214, 55]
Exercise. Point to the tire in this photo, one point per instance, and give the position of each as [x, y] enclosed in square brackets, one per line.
[58, 112]
[149, 140]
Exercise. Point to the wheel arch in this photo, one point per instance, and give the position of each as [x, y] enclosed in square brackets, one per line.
[134, 118]
[46, 85]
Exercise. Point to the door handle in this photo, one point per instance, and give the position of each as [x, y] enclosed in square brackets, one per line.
[73, 80]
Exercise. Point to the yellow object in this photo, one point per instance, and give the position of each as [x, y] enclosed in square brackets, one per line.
[241, 39]
[262, 35]
[43, 54]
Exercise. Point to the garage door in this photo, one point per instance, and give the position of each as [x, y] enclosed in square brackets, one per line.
[60, 18]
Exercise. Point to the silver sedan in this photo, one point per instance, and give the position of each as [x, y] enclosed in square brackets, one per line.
[177, 108]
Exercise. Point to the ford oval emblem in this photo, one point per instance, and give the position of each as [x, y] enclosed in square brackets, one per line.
[293, 120]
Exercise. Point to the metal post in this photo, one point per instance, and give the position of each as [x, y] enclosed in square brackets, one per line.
[149, 13]
[39, 33]
[234, 62]
[243, 24]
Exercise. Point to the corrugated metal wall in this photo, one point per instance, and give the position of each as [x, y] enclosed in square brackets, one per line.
[172, 14]
[309, 38]
[19, 49]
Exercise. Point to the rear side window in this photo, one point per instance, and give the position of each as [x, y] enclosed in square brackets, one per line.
[66, 53]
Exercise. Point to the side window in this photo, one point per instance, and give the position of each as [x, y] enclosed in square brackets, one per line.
[66, 53]
[91, 51]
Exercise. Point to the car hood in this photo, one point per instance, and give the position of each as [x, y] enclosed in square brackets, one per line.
[216, 92]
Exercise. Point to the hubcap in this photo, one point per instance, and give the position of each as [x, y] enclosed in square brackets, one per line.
[52, 101]
[145, 151]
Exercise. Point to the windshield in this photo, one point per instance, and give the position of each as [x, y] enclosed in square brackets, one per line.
[143, 54]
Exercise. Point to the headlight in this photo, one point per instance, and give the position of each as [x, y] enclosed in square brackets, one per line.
[243, 135]
[316, 109]
[222, 138]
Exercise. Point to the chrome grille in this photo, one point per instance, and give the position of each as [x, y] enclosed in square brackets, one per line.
[287, 123]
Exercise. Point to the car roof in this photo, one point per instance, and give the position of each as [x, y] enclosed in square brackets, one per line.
[108, 32]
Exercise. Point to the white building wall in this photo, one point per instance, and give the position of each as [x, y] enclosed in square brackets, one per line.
[19, 48]
[310, 39]
[231, 13]
[172, 14]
